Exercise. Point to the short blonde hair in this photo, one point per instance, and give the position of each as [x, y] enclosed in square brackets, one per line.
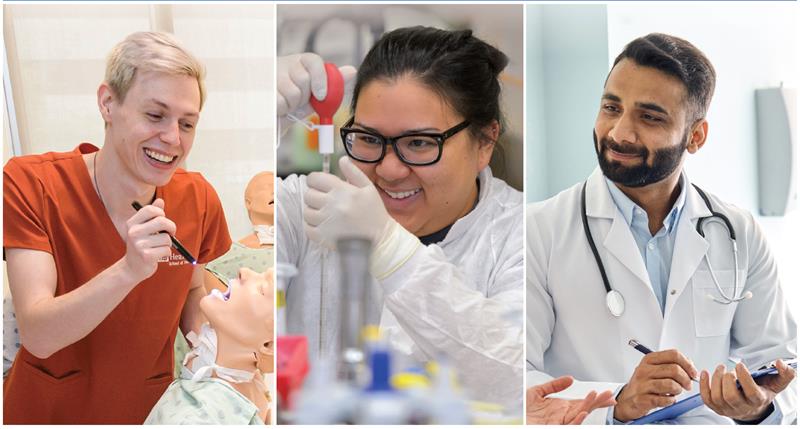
[151, 51]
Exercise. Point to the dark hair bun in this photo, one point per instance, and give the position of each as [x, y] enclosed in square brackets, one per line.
[457, 65]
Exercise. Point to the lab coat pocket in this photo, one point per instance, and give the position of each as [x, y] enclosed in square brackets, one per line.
[710, 317]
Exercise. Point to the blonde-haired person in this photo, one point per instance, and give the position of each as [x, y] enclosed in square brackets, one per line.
[98, 291]
[155, 52]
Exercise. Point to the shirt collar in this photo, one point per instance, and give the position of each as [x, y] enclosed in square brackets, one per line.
[627, 207]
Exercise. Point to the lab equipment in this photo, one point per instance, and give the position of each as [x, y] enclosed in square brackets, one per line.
[354, 256]
[326, 109]
[380, 403]
[490, 372]
[283, 273]
[446, 405]
[323, 399]
[776, 120]
[615, 302]
[685, 405]
[376, 399]
[351, 388]
[175, 243]
[292, 365]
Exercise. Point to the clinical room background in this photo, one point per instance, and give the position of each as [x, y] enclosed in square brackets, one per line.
[55, 58]
[570, 49]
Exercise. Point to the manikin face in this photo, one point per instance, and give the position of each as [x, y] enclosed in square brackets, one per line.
[259, 198]
[244, 313]
[152, 130]
[423, 199]
[641, 131]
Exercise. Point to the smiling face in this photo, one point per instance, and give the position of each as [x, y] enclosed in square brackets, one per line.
[423, 199]
[153, 129]
[641, 130]
[244, 312]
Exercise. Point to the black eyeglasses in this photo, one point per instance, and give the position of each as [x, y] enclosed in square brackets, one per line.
[411, 148]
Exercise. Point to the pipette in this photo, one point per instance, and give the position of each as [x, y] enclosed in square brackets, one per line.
[326, 109]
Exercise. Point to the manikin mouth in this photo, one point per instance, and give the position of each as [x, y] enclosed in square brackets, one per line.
[160, 157]
[224, 296]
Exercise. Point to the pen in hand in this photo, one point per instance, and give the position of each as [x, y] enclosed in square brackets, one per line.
[175, 243]
[644, 350]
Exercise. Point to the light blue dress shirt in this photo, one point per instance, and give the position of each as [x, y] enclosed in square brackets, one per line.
[656, 250]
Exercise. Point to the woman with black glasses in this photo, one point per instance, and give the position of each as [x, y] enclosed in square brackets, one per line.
[447, 254]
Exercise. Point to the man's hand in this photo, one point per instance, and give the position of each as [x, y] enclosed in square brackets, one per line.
[658, 379]
[147, 240]
[751, 402]
[548, 411]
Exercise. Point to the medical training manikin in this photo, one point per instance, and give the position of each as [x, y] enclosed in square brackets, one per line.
[255, 250]
[222, 380]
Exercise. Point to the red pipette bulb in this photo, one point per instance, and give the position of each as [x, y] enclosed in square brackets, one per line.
[327, 108]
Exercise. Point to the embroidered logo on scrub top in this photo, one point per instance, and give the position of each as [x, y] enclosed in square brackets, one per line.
[174, 259]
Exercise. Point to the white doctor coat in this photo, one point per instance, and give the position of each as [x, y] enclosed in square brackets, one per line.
[460, 299]
[571, 332]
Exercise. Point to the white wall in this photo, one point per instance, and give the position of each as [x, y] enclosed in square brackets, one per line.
[535, 135]
[751, 46]
[235, 135]
[566, 69]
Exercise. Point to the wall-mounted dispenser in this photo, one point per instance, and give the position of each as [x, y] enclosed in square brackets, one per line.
[776, 117]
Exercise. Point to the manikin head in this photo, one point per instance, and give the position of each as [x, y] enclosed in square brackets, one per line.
[259, 198]
[243, 319]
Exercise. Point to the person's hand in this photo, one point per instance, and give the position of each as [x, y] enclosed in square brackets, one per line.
[147, 240]
[753, 400]
[336, 208]
[299, 76]
[656, 382]
[541, 410]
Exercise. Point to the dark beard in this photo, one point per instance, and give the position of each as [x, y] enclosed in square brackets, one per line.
[665, 161]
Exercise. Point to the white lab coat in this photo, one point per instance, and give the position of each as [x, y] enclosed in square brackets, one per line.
[571, 332]
[460, 299]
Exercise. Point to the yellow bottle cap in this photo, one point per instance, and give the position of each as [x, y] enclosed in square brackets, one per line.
[409, 380]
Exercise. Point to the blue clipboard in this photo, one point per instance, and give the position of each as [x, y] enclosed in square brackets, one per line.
[685, 405]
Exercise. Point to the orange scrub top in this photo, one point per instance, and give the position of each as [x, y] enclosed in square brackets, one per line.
[118, 372]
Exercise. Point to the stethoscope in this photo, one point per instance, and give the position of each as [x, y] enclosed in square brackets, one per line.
[614, 299]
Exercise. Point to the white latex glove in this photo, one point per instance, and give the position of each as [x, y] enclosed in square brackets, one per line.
[299, 76]
[335, 208]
